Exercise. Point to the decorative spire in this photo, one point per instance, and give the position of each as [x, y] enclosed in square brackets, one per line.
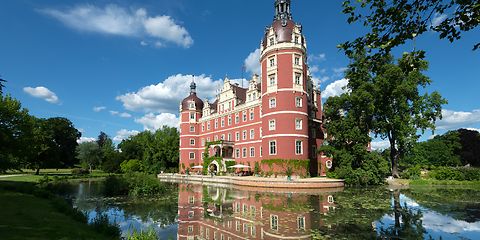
[193, 86]
[282, 11]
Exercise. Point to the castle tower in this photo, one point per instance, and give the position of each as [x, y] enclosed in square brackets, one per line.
[285, 83]
[190, 113]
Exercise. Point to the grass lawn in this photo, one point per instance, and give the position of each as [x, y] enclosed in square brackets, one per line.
[28, 175]
[24, 216]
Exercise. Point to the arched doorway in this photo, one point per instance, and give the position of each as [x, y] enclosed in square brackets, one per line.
[213, 167]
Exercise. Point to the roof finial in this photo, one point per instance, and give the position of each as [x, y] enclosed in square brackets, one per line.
[193, 86]
[282, 11]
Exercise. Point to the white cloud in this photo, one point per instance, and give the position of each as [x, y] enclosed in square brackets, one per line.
[318, 58]
[115, 20]
[252, 62]
[121, 114]
[43, 93]
[340, 70]
[153, 122]
[124, 134]
[167, 95]
[453, 120]
[143, 43]
[86, 139]
[438, 18]
[99, 109]
[335, 89]
[380, 145]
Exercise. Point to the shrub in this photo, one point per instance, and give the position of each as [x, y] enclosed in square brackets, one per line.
[133, 184]
[412, 172]
[80, 171]
[459, 174]
[132, 165]
[102, 225]
[143, 235]
[115, 186]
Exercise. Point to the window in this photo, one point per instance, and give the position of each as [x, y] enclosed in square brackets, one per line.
[192, 142]
[192, 128]
[272, 62]
[298, 80]
[273, 147]
[229, 120]
[297, 61]
[272, 41]
[191, 199]
[222, 122]
[271, 125]
[237, 153]
[245, 228]
[229, 137]
[208, 125]
[298, 147]
[298, 124]
[274, 222]
[208, 139]
[203, 127]
[298, 101]
[261, 151]
[244, 152]
[254, 230]
[297, 39]
[190, 229]
[237, 136]
[244, 116]
[191, 105]
[191, 214]
[252, 114]
[301, 223]
[192, 116]
[216, 123]
[222, 137]
[192, 155]
[261, 132]
[252, 134]
[252, 152]
[237, 118]
[273, 102]
[203, 142]
[237, 226]
[272, 81]
[253, 210]
[216, 138]
[244, 135]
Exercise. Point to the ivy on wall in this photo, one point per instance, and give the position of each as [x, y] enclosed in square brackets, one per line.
[289, 166]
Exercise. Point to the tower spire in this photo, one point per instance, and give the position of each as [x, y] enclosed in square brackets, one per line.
[193, 86]
[282, 10]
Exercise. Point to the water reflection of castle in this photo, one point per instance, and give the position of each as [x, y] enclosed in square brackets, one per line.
[206, 212]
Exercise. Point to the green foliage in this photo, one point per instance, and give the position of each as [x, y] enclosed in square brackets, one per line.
[80, 171]
[391, 24]
[257, 168]
[89, 154]
[412, 172]
[102, 225]
[157, 151]
[143, 235]
[458, 174]
[287, 166]
[132, 165]
[134, 184]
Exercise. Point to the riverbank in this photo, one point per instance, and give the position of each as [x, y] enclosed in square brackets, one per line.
[258, 182]
[29, 213]
[431, 182]
[29, 175]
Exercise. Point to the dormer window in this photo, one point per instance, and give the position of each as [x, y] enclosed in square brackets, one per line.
[297, 40]
[272, 41]
[191, 105]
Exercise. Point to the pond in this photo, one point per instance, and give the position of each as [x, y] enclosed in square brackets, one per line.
[195, 211]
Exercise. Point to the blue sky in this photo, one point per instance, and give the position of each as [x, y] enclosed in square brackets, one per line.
[123, 66]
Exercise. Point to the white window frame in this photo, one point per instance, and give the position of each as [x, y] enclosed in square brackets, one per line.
[252, 114]
[244, 135]
[272, 125]
[297, 76]
[229, 120]
[272, 102]
[192, 142]
[274, 147]
[237, 136]
[237, 118]
[191, 155]
[301, 147]
[244, 116]
[244, 152]
[252, 134]
[272, 80]
[274, 222]
[252, 152]
[192, 128]
[237, 153]
[298, 124]
[301, 223]
[222, 122]
[298, 101]
[192, 116]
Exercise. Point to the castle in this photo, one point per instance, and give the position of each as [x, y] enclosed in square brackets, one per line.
[276, 120]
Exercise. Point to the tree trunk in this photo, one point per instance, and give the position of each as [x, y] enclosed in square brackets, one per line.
[394, 155]
[38, 171]
[397, 210]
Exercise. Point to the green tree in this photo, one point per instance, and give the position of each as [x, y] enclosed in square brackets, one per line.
[470, 147]
[64, 141]
[15, 129]
[1, 85]
[392, 23]
[89, 154]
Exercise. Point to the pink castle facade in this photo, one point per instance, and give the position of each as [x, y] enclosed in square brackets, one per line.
[278, 116]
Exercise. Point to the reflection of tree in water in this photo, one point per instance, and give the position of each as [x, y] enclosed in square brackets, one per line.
[408, 222]
[458, 203]
[162, 211]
